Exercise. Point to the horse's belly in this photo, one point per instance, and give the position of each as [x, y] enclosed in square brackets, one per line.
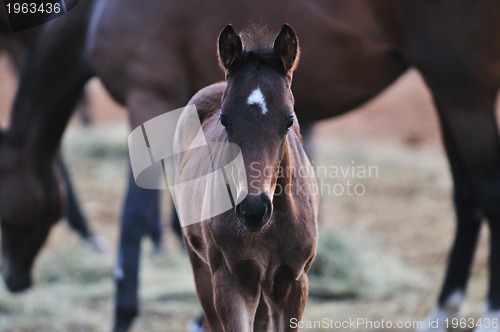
[126, 53]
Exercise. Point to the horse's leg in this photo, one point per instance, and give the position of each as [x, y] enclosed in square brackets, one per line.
[155, 232]
[492, 313]
[141, 208]
[468, 218]
[74, 214]
[472, 143]
[491, 194]
[141, 205]
[203, 281]
[236, 306]
[287, 300]
[236, 293]
[261, 316]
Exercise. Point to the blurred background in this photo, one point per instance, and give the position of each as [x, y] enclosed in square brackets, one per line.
[382, 252]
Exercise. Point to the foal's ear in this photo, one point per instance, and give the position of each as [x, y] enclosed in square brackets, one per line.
[286, 48]
[229, 47]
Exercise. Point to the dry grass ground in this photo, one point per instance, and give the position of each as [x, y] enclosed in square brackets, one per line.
[388, 245]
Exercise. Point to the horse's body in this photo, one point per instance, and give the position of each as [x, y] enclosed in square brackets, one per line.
[260, 251]
[146, 57]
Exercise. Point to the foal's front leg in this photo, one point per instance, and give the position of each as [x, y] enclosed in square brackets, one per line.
[236, 298]
[204, 288]
[287, 300]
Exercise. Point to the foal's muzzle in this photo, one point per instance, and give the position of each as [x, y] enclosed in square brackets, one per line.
[254, 211]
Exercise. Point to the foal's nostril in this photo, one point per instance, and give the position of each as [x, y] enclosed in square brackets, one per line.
[254, 211]
[268, 208]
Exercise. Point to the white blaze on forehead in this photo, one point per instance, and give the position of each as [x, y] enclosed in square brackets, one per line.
[257, 98]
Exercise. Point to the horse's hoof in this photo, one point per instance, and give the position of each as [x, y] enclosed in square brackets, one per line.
[158, 249]
[124, 318]
[438, 319]
[97, 243]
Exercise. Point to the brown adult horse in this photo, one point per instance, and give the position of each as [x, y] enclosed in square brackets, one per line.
[260, 251]
[352, 50]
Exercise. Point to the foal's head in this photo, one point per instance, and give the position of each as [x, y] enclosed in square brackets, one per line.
[257, 111]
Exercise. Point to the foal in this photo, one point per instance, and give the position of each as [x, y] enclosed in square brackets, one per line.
[256, 255]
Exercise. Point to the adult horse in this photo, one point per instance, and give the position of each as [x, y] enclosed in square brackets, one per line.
[352, 51]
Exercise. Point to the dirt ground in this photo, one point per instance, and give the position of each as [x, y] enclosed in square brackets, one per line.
[394, 231]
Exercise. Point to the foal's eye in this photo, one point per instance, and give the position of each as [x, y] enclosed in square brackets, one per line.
[288, 124]
[223, 121]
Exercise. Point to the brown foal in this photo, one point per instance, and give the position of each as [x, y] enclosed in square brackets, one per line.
[250, 263]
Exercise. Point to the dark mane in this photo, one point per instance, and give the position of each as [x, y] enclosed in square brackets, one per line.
[257, 39]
